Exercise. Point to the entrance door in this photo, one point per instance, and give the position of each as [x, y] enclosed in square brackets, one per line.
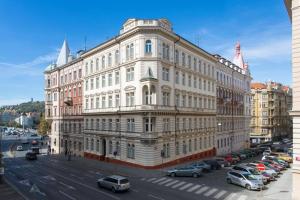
[103, 147]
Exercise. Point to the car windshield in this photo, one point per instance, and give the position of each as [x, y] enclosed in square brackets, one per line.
[254, 171]
[249, 177]
[124, 181]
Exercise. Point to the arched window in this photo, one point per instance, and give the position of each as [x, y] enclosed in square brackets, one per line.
[117, 57]
[103, 62]
[131, 51]
[148, 47]
[109, 59]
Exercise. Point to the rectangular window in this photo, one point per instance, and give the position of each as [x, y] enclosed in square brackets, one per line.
[92, 84]
[103, 122]
[190, 81]
[166, 98]
[110, 101]
[103, 81]
[117, 77]
[97, 83]
[183, 79]
[86, 85]
[118, 126]
[177, 100]
[166, 124]
[117, 99]
[130, 74]
[103, 102]
[165, 74]
[130, 99]
[109, 79]
[183, 100]
[110, 124]
[177, 77]
[130, 125]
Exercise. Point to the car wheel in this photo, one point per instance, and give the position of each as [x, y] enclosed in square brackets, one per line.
[113, 189]
[195, 175]
[248, 187]
[229, 181]
[173, 174]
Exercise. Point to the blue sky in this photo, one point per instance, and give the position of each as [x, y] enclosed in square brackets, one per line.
[31, 32]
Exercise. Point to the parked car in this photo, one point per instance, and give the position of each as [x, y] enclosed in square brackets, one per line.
[267, 152]
[30, 156]
[115, 183]
[266, 169]
[213, 163]
[19, 148]
[34, 142]
[222, 162]
[232, 160]
[205, 167]
[185, 171]
[243, 179]
[282, 156]
[250, 170]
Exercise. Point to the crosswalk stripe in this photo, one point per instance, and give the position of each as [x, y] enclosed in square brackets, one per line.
[202, 190]
[242, 197]
[210, 192]
[221, 193]
[158, 180]
[194, 188]
[178, 184]
[186, 186]
[172, 183]
[165, 181]
[231, 196]
[151, 179]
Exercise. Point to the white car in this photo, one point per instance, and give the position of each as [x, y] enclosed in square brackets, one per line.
[19, 148]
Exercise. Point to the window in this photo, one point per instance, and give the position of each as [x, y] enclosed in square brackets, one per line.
[110, 101]
[118, 148]
[86, 69]
[87, 143]
[148, 124]
[117, 77]
[183, 100]
[183, 124]
[127, 52]
[79, 73]
[86, 103]
[86, 85]
[166, 124]
[195, 82]
[183, 79]
[117, 100]
[200, 84]
[183, 59]
[110, 147]
[166, 98]
[103, 102]
[177, 100]
[97, 64]
[103, 62]
[177, 77]
[177, 148]
[97, 124]
[190, 81]
[166, 52]
[117, 57]
[92, 103]
[190, 101]
[189, 61]
[130, 99]
[92, 84]
[195, 102]
[176, 56]
[103, 80]
[97, 83]
[109, 60]
[91, 67]
[148, 47]
[118, 126]
[98, 146]
[131, 51]
[190, 145]
[165, 74]
[130, 74]
[183, 147]
[130, 125]
[110, 124]
[103, 122]
[130, 151]
[109, 79]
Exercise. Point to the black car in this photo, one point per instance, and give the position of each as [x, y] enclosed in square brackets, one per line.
[31, 156]
[213, 163]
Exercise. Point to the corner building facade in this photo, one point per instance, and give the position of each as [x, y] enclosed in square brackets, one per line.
[149, 97]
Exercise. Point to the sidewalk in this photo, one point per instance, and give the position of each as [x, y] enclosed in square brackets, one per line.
[8, 193]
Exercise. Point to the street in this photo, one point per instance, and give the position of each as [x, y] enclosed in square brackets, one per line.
[53, 177]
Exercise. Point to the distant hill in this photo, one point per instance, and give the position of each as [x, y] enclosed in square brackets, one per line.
[31, 106]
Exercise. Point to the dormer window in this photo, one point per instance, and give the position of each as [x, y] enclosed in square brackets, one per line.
[148, 47]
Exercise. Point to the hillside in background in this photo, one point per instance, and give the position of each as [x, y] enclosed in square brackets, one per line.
[31, 106]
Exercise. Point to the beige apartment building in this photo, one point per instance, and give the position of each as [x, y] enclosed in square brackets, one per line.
[271, 103]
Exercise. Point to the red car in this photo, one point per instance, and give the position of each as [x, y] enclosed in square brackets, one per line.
[230, 159]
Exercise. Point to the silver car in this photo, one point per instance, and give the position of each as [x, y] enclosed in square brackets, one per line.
[185, 171]
[246, 180]
[250, 170]
[114, 183]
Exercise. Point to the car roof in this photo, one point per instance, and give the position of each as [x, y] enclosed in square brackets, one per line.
[240, 172]
[117, 177]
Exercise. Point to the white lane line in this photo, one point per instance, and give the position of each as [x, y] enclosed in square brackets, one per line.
[178, 184]
[202, 190]
[66, 195]
[221, 193]
[172, 183]
[242, 197]
[165, 181]
[186, 186]
[151, 179]
[194, 188]
[158, 180]
[155, 197]
[66, 185]
[210, 192]
[231, 196]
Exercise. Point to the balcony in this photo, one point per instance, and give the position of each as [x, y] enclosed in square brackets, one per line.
[68, 101]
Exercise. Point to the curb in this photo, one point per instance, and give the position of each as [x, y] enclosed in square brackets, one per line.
[16, 189]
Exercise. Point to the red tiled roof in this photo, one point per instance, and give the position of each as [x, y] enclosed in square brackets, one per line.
[258, 86]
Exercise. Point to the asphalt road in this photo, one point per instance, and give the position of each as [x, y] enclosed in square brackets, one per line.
[53, 177]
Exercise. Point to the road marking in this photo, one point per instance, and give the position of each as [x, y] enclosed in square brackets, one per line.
[66, 185]
[143, 179]
[194, 188]
[178, 184]
[202, 190]
[172, 183]
[231, 196]
[242, 197]
[221, 193]
[164, 182]
[155, 197]
[151, 179]
[210, 192]
[158, 180]
[186, 186]
[65, 194]
[134, 190]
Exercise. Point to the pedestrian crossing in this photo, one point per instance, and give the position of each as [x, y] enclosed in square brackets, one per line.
[197, 189]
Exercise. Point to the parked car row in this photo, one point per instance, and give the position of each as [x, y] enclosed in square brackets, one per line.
[256, 174]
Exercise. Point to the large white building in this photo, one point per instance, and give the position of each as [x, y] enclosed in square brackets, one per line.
[148, 98]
